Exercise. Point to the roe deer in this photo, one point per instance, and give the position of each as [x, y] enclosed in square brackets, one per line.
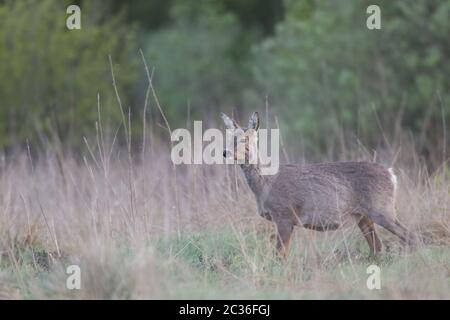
[318, 196]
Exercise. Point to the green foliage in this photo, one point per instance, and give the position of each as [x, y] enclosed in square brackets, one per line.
[327, 76]
[51, 76]
[325, 70]
[198, 60]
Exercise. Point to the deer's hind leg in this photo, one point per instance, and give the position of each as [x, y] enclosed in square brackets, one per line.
[368, 230]
[393, 226]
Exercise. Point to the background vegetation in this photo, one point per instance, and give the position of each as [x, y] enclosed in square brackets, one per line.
[306, 58]
[86, 177]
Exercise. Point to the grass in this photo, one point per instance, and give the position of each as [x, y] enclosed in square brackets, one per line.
[122, 228]
[147, 229]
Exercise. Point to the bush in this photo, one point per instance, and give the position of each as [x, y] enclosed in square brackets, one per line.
[52, 75]
[198, 60]
[326, 71]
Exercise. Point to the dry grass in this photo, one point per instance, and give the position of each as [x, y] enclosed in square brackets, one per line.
[120, 223]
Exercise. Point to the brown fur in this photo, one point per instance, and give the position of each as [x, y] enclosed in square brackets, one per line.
[324, 196]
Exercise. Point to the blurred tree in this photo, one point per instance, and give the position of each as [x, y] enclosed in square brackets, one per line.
[51, 76]
[251, 14]
[148, 14]
[256, 14]
[326, 71]
[199, 59]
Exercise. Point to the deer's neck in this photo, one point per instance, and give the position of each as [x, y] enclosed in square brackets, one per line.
[254, 178]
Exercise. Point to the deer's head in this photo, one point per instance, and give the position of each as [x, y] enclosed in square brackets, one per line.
[242, 143]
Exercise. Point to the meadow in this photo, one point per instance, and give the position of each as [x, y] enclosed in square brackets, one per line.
[141, 228]
[86, 177]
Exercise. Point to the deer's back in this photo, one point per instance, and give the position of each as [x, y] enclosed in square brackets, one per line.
[326, 193]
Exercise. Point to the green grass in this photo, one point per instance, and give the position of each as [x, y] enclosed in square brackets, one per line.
[224, 265]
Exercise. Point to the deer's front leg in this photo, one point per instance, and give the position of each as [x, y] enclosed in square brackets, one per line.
[284, 231]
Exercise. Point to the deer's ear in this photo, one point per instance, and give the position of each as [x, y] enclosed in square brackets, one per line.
[253, 122]
[229, 123]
